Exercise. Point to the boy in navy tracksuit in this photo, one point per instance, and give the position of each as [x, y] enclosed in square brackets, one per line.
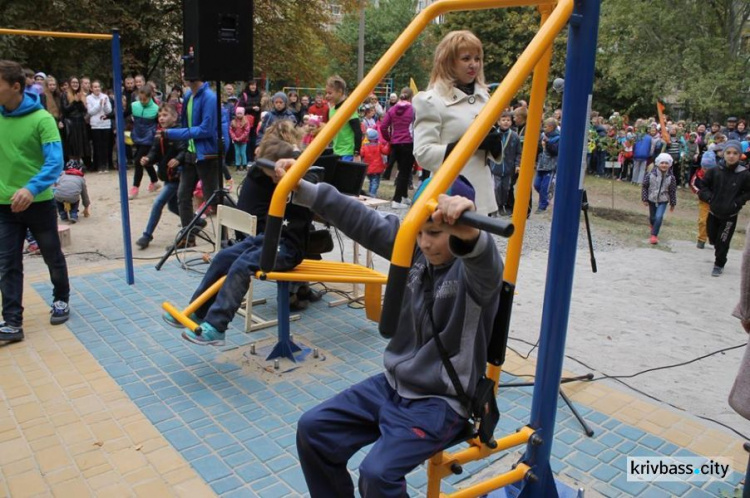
[410, 411]
[240, 261]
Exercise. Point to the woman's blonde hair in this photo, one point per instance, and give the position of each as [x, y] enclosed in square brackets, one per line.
[447, 53]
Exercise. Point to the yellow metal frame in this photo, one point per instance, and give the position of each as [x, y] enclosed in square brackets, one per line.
[535, 58]
[307, 271]
[184, 316]
[379, 71]
[55, 34]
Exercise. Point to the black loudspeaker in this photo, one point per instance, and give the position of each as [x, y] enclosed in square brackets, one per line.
[218, 40]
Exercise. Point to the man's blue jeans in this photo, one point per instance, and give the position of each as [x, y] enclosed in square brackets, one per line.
[239, 263]
[167, 197]
[41, 219]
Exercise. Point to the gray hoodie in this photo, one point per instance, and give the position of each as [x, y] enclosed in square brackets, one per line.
[72, 188]
[466, 295]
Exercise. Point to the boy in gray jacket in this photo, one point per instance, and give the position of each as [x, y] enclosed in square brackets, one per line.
[410, 411]
[70, 189]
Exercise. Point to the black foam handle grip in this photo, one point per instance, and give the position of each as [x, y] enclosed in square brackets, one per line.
[398, 276]
[265, 164]
[493, 225]
[271, 238]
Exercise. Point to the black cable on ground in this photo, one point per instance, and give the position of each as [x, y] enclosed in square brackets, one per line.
[617, 378]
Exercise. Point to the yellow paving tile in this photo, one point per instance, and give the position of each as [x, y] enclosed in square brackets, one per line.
[181, 474]
[165, 460]
[127, 460]
[103, 480]
[73, 488]
[141, 476]
[53, 458]
[19, 467]
[194, 488]
[29, 411]
[91, 459]
[150, 489]
[28, 484]
[13, 450]
[62, 475]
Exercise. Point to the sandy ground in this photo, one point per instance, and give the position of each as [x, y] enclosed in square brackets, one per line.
[645, 307]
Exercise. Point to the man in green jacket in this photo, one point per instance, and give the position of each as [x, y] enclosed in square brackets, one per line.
[31, 160]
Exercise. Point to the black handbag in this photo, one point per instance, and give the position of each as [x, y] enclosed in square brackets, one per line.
[482, 407]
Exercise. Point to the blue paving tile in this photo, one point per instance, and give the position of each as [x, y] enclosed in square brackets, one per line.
[294, 478]
[225, 485]
[157, 413]
[718, 488]
[240, 458]
[264, 449]
[674, 488]
[590, 447]
[582, 461]
[211, 468]
[239, 431]
[652, 442]
[221, 440]
[196, 452]
[632, 488]
[630, 433]
[605, 472]
[181, 438]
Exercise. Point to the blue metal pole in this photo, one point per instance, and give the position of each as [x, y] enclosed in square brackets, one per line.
[121, 159]
[579, 81]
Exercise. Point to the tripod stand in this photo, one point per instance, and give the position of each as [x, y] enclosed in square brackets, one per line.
[586, 377]
[218, 196]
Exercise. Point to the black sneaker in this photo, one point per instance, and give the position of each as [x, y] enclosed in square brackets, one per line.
[701, 244]
[59, 313]
[143, 242]
[9, 333]
[717, 271]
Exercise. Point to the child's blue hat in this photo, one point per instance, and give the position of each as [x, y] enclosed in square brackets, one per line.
[708, 160]
[460, 186]
[372, 134]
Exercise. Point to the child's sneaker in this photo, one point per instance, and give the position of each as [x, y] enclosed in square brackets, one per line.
[653, 240]
[701, 244]
[717, 271]
[174, 323]
[208, 336]
[154, 186]
[143, 242]
[9, 333]
[59, 313]
[133, 193]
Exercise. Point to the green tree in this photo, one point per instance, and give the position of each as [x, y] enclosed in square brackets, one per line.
[289, 37]
[383, 24]
[701, 66]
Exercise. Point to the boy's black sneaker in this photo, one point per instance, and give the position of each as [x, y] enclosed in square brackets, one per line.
[143, 242]
[717, 271]
[9, 333]
[59, 313]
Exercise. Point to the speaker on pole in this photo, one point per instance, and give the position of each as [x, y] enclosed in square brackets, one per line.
[218, 40]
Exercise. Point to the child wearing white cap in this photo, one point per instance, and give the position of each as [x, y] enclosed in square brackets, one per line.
[659, 190]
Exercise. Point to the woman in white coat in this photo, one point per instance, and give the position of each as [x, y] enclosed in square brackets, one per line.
[455, 96]
[99, 109]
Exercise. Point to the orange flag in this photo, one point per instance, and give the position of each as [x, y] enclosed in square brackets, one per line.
[664, 132]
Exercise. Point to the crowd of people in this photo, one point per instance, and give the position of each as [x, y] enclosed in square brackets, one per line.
[174, 140]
